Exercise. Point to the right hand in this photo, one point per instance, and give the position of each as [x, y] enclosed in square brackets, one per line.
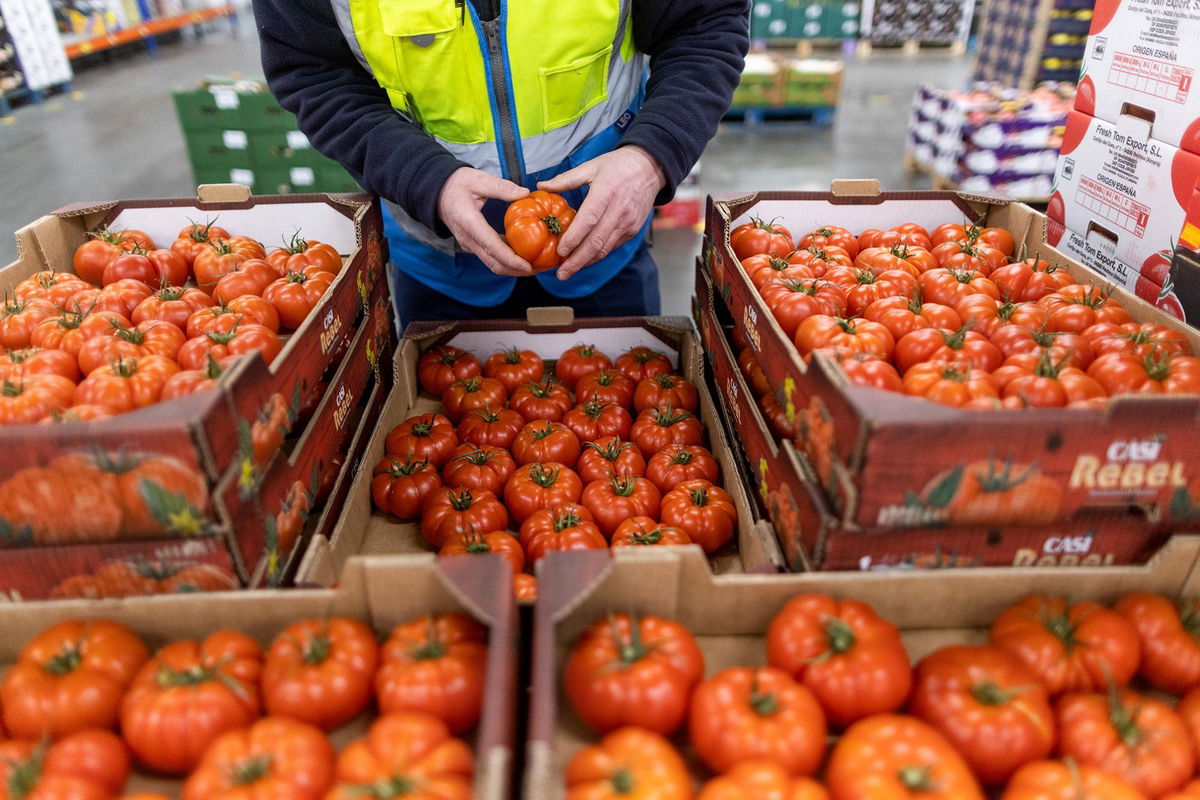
[459, 206]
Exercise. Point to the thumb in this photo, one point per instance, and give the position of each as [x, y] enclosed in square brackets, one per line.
[571, 179]
[498, 188]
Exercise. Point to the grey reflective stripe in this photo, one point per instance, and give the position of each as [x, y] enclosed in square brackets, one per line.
[419, 232]
[341, 12]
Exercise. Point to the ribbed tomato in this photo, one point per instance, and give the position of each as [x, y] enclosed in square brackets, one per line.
[791, 302]
[948, 286]
[470, 394]
[486, 426]
[705, 512]
[126, 384]
[858, 335]
[1043, 382]
[546, 441]
[19, 318]
[149, 338]
[540, 485]
[241, 340]
[501, 543]
[401, 485]
[297, 294]
[597, 419]
[568, 526]
[479, 467]
[173, 304]
[656, 428]
[446, 512]
[903, 315]
[831, 235]
[932, 344]
[440, 367]
[608, 456]
[1030, 280]
[618, 498]
[610, 386]
[642, 362]
[514, 367]
[760, 236]
[542, 401]
[429, 437]
[1075, 308]
[950, 383]
[1157, 373]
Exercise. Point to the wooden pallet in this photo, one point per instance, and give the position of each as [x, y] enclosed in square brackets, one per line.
[756, 116]
[21, 97]
[911, 47]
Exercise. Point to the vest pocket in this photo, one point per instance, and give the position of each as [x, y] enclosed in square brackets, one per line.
[408, 18]
[568, 91]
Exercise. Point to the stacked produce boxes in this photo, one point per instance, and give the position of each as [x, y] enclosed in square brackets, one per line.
[31, 36]
[804, 19]
[773, 82]
[1023, 43]
[919, 21]
[236, 132]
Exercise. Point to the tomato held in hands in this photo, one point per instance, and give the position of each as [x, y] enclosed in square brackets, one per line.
[579, 362]
[436, 665]
[633, 671]
[1080, 647]
[320, 671]
[853, 661]
[275, 757]
[746, 714]
[440, 367]
[629, 763]
[1168, 632]
[187, 696]
[514, 367]
[447, 512]
[568, 526]
[701, 510]
[405, 754]
[534, 225]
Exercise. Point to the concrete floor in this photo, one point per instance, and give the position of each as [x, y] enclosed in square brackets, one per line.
[116, 136]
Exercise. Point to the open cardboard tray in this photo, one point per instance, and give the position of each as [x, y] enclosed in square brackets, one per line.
[547, 332]
[813, 537]
[209, 431]
[730, 613]
[1138, 453]
[383, 592]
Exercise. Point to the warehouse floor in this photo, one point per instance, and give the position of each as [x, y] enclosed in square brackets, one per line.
[116, 136]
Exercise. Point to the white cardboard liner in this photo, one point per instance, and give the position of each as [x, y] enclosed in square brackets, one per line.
[269, 223]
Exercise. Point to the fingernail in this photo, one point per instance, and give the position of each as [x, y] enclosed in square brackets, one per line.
[563, 275]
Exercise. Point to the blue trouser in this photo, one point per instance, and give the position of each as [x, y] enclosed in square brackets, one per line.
[631, 292]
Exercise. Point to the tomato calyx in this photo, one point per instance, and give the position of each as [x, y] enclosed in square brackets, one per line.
[461, 500]
[764, 704]
[479, 457]
[699, 497]
[1158, 365]
[963, 276]
[476, 543]
[194, 675]
[540, 390]
[989, 693]
[666, 381]
[1189, 618]
[316, 650]
[432, 648]
[553, 224]
[999, 478]
[668, 416]
[764, 225]
[611, 451]
[631, 650]
[543, 475]
[212, 369]
[65, 661]
[585, 350]
[623, 485]
[199, 233]
[13, 307]
[222, 247]
[296, 277]
[470, 385]
[223, 337]
[593, 408]
[384, 789]
[681, 457]
[917, 779]
[840, 638]
[543, 432]
[296, 244]
[11, 389]
[130, 335]
[645, 537]
[512, 356]
[252, 770]
[1124, 719]
[108, 236]
[124, 367]
[566, 519]
[450, 357]
[421, 429]
[606, 377]
[24, 777]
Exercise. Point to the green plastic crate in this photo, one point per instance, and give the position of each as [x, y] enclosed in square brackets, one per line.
[223, 149]
[261, 112]
[335, 179]
[204, 110]
[280, 149]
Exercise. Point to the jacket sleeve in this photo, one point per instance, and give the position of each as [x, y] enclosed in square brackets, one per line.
[696, 50]
[345, 114]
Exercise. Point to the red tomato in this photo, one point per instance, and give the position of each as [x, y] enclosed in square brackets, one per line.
[502, 543]
[514, 367]
[864, 370]
[1157, 373]
[173, 304]
[299, 254]
[540, 442]
[471, 394]
[1041, 382]
[616, 499]
[540, 485]
[541, 401]
[902, 316]
[932, 344]
[320, 671]
[1075, 308]
[639, 363]
[677, 463]
[755, 780]
[703, 511]
[447, 512]
[858, 335]
[831, 236]
[645, 532]
[241, 340]
[597, 419]
[483, 426]
[251, 277]
[274, 757]
[297, 294]
[951, 383]
[579, 362]
[1170, 651]
[479, 467]
[948, 286]
[89, 765]
[440, 367]
[568, 526]
[18, 319]
[1030, 280]
[608, 386]
[126, 384]
[793, 302]
[629, 762]
[1055, 780]
[1141, 340]
[429, 437]
[758, 236]
[609, 456]
[255, 309]
[400, 486]
[656, 428]
[666, 391]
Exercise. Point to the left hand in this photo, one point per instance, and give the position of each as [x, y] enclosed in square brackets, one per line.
[622, 187]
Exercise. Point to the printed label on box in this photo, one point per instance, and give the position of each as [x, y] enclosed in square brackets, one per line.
[303, 176]
[225, 98]
[297, 140]
[243, 176]
[235, 140]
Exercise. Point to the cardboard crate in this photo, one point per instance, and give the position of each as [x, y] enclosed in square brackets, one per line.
[812, 537]
[1138, 453]
[547, 332]
[383, 592]
[729, 615]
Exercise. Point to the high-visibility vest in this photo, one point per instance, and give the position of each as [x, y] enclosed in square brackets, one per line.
[540, 89]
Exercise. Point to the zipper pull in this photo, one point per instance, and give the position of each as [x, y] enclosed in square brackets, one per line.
[461, 5]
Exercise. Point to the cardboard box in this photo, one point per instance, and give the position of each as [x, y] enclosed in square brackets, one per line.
[1119, 200]
[813, 537]
[383, 592]
[547, 332]
[1141, 60]
[729, 615]
[1139, 453]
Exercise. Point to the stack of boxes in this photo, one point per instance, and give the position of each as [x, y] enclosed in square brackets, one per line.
[773, 81]
[36, 44]
[1023, 43]
[1126, 179]
[992, 139]
[237, 133]
[805, 19]
[922, 21]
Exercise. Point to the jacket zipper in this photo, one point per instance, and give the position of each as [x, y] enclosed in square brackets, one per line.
[508, 131]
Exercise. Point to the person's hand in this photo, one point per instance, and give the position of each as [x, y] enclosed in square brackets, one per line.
[623, 185]
[459, 205]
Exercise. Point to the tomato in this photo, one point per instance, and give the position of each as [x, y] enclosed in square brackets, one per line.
[985, 314]
[485, 427]
[1142, 340]
[218, 318]
[831, 236]
[407, 754]
[907, 234]
[540, 485]
[93, 256]
[56, 287]
[435, 665]
[439, 368]
[546, 441]
[502, 543]
[905, 258]
[1071, 349]
[127, 384]
[1076, 647]
[150, 338]
[761, 780]
[299, 254]
[639, 363]
[889, 756]
[677, 463]
[525, 588]
[744, 714]
[25, 400]
[645, 532]
[616, 499]
[1042, 383]
[1054, 780]
[703, 511]
[92, 299]
[450, 511]
[173, 304]
[36, 361]
[89, 765]
[320, 671]
[1157, 373]
[1075, 308]
[192, 239]
[903, 315]
[597, 419]
[753, 373]
[241, 340]
[70, 677]
[579, 362]
[776, 416]
[758, 236]
[948, 286]
[128, 293]
[656, 428]
[255, 309]
[1128, 735]
[1167, 632]
[628, 764]
[608, 456]
[950, 383]
[252, 277]
[863, 370]
[479, 467]
[275, 757]
[188, 695]
[932, 344]
[608, 386]
[568, 526]
[429, 437]
[997, 493]
[988, 706]
[870, 287]
[218, 258]
[794, 301]
[977, 256]
[764, 269]
[297, 294]
[514, 368]
[533, 226]
[193, 381]
[666, 391]
[1189, 792]
[859, 335]
[1030, 280]
[470, 394]
[633, 671]
[541, 401]
[19, 318]
[133, 266]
